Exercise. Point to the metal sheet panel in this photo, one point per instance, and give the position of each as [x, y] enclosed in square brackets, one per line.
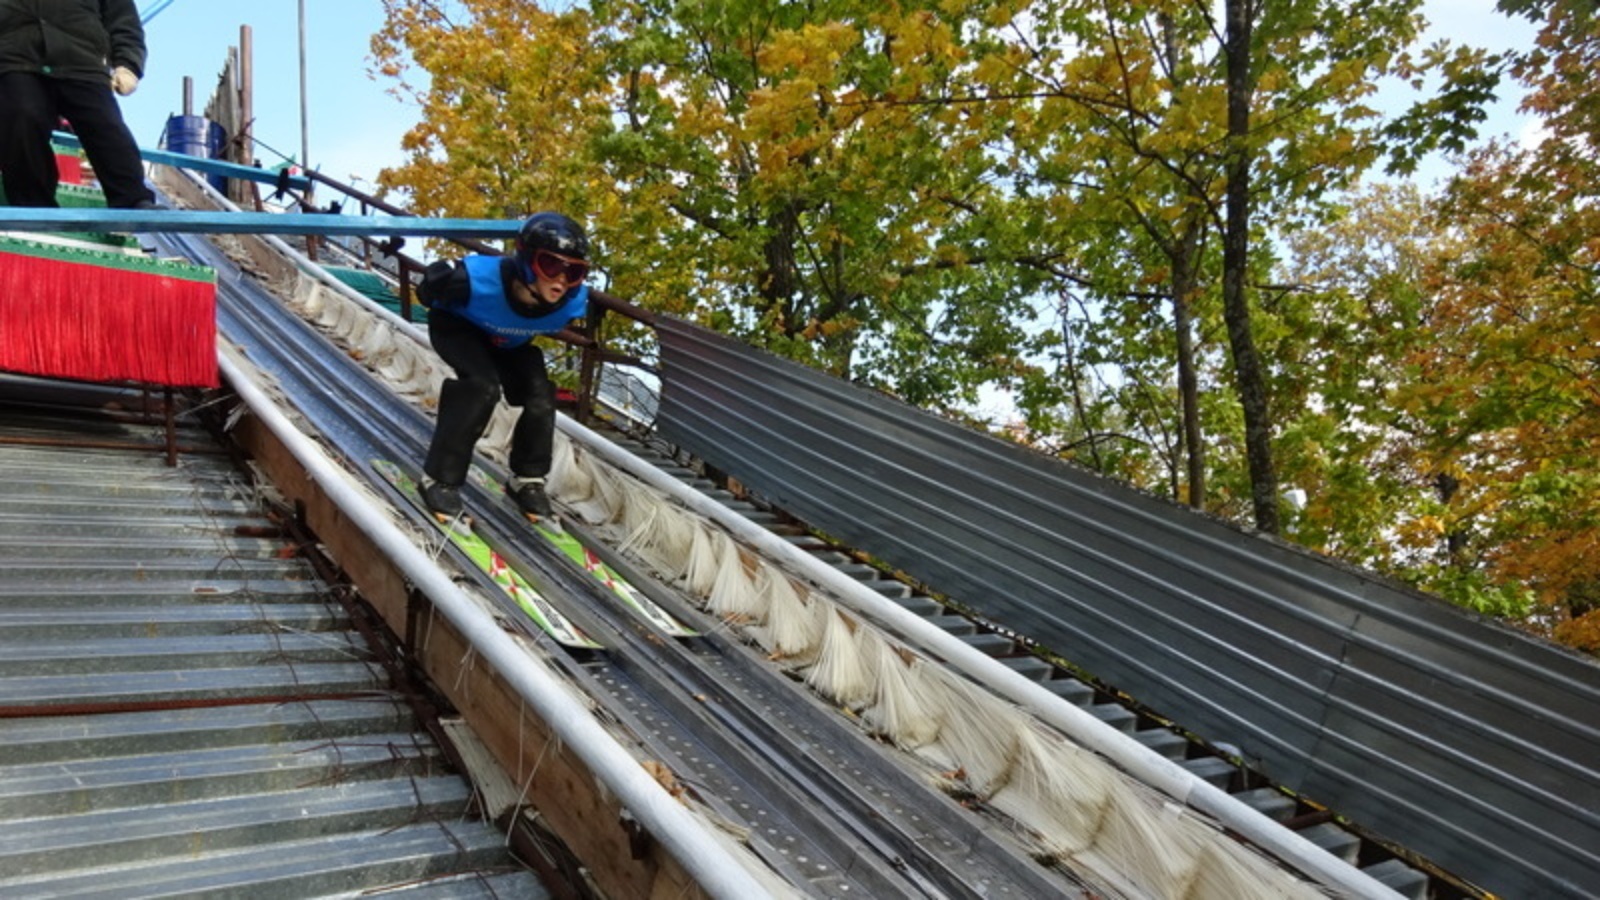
[1463, 740]
[184, 710]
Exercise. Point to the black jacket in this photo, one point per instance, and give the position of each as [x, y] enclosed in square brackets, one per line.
[79, 39]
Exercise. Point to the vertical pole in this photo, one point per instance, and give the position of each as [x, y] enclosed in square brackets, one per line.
[305, 136]
[170, 418]
[407, 304]
[247, 95]
[247, 110]
[589, 372]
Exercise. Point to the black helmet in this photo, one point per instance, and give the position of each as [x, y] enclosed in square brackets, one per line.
[554, 232]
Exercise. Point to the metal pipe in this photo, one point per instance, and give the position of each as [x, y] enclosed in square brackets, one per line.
[686, 837]
[153, 11]
[1082, 726]
[55, 710]
[305, 265]
[204, 164]
[170, 425]
[375, 203]
[163, 447]
[305, 140]
[619, 305]
[193, 221]
[247, 94]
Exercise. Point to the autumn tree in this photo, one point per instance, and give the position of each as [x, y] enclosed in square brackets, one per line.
[1346, 326]
[1144, 118]
[933, 197]
[1509, 382]
[791, 174]
[510, 94]
[805, 176]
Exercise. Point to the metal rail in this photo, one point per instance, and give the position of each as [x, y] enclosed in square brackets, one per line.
[201, 164]
[193, 221]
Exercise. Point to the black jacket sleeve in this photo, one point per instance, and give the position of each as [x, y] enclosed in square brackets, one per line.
[121, 19]
[80, 40]
[445, 285]
[125, 34]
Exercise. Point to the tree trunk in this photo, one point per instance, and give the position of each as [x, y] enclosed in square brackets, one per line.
[779, 285]
[1184, 263]
[1184, 254]
[1235, 264]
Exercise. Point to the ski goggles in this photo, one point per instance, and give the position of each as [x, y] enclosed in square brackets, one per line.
[553, 266]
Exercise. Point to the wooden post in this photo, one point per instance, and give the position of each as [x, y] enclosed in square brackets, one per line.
[588, 390]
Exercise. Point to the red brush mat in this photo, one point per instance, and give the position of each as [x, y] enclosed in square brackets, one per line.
[87, 322]
[69, 169]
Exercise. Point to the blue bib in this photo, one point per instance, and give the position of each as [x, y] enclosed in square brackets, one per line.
[490, 309]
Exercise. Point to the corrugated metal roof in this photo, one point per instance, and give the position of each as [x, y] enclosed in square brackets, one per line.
[182, 706]
[1464, 741]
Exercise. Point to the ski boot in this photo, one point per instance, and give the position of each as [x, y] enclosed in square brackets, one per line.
[530, 497]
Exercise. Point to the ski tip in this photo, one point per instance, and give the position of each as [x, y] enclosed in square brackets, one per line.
[550, 523]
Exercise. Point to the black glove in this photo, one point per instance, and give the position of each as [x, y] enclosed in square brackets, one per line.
[445, 285]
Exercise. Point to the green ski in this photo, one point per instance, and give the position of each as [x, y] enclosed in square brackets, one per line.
[655, 616]
[541, 611]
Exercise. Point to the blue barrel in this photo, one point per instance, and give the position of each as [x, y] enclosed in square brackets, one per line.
[187, 134]
[198, 136]
[217, 143]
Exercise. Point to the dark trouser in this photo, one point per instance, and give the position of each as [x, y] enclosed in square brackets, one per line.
[467, 401]
[31, 105]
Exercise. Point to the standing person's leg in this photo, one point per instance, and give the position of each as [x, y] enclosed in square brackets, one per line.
[466, 402]
[92, 109]
[27, 117]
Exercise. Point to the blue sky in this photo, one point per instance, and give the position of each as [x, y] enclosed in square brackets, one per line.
[1476, 23]
[355, 126]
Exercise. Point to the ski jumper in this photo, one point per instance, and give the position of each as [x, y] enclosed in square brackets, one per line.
[483, 334]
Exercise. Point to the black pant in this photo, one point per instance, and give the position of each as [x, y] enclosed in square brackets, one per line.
[466, 402]
[30, 107]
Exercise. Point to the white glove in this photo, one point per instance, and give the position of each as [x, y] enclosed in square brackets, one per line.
[123, 81]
